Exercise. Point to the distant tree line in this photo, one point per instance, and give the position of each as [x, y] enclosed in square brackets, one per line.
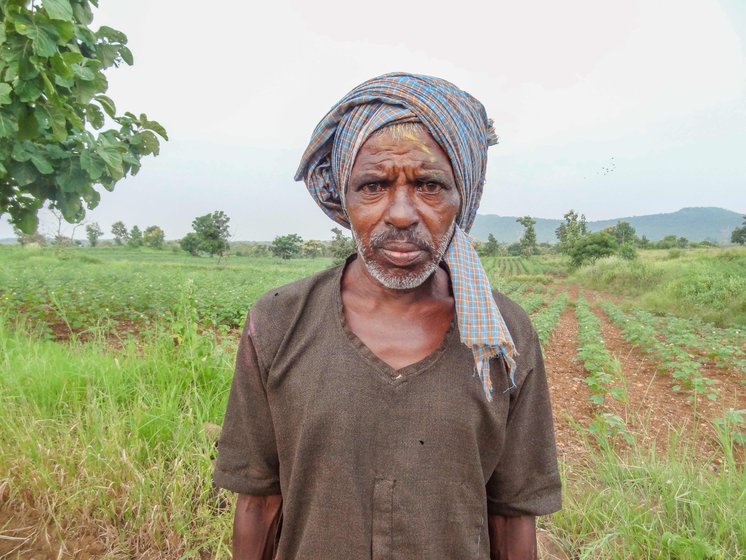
[583, 246]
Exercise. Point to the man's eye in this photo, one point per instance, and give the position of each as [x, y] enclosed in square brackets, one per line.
[429, 187]
[372, 188]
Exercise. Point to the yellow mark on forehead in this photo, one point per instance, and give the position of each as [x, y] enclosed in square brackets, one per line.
[424, 147]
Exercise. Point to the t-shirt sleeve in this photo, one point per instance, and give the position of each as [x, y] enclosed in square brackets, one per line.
[247, 453]
[526, 480]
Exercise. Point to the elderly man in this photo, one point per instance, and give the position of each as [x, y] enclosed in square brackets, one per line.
[393, 407]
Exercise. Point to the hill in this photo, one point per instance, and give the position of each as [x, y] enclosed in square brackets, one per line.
[696, 224]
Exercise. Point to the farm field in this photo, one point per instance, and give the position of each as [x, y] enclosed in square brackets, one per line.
[115, 364]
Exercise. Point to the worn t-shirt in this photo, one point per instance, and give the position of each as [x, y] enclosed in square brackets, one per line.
[375, 463]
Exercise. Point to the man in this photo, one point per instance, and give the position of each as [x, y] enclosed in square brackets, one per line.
[392, 407]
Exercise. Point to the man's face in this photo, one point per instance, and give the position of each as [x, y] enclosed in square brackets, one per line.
[402, 204]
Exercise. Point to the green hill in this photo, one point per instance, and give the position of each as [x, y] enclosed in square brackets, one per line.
[696, 224]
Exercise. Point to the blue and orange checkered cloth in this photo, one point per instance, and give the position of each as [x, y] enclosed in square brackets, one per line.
[459, 123]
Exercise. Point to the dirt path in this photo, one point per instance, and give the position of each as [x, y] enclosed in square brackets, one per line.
[567, 387]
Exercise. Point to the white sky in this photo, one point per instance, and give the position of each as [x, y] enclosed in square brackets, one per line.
[653, 89]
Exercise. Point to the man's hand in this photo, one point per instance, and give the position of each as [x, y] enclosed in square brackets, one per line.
[255, 526]
[512, 538]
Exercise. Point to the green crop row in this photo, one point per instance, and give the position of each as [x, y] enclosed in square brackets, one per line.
[642, 329]
[602, 367]
[725, 347]
[78, 293]
[546, 320]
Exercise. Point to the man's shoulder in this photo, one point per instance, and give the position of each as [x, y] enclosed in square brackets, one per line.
[517, 320]
[294, 296]
[295, 309]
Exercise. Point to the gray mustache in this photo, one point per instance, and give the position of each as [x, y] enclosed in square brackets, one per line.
[406, 236]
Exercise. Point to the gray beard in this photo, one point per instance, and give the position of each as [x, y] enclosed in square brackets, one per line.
[405, 281]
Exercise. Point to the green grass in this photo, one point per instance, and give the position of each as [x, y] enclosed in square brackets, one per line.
[705, 284]
[644, 503]
[112, 444]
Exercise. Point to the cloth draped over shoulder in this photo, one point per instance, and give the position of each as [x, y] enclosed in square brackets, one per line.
[459, 123]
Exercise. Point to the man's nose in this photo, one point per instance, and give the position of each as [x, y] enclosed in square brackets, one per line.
[402, 212]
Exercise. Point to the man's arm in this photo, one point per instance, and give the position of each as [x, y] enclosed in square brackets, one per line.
[255, 526]
[512, 538]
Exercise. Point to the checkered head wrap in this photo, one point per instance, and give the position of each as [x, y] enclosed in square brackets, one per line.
[459, 123]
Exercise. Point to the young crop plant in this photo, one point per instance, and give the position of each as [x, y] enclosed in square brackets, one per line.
[546, 320]
[725, 347]
[643, 329]
[529, 302]
[602, 367]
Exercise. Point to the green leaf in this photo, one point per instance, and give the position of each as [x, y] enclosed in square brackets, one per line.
[27, 222]
[72, 178]
[149, 143]
[126, 55]
[65, 31]
[92, 164]
[28, 90]
[91, 197]
[28, 126]
[112, 158]
[105, 32]
[8, 126]
[71, 207]
[107, 104]
[107, 54]
[61, 67]
[72, 57]
[24, 173]
[58, 122]
[83, 13]
[94, 115]
[59, 9]
[155, 127]
[5, 90]
[20, 152]
[42, 34]
[83, 72]
[42, 164]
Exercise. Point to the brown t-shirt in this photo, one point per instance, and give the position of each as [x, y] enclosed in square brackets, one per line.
[375, 463]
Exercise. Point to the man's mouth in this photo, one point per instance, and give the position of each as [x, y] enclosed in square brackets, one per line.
[401, 253]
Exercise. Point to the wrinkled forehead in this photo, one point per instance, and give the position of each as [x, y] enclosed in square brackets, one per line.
[403, 143]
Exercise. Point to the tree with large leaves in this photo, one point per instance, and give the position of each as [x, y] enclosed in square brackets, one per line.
[53, 110]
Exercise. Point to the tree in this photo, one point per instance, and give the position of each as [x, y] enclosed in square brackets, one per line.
[52, 111]
[341, 246]
[190, 243]
[154, 237]
[528, 240]
[739, 234]
[135, 239]
[623, 232]
[571, 230]
[93, 232]
[121, 235]
[491, 248]
[591, 247]
[29, 238]
[312, 248]
[287, 246]
[213, 232]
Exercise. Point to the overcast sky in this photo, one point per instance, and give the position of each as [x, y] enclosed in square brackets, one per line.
[611, 108]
